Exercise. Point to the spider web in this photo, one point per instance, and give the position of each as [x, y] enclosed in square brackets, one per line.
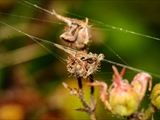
[105, 28]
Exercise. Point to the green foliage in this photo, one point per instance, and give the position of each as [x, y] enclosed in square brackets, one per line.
[29, 71]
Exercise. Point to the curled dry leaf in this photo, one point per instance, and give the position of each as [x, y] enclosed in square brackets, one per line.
[76, 33]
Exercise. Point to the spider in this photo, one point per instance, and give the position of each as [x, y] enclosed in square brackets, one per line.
[76, 33]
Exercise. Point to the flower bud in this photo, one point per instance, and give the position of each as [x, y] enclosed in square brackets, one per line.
[123, 98]
[155, 96]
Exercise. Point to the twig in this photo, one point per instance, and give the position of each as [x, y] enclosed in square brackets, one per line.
[81, 95]
[93, 104]
[90, 109]
[92, 88]
[79, 82]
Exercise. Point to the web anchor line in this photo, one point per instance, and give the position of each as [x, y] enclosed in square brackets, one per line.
[36, 39]
[117, 28]
[53, 44]
[130, 68]
[50, 12]
[98, 22]
[106, 25]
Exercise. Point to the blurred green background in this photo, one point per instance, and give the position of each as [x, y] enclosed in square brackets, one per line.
[31, 78]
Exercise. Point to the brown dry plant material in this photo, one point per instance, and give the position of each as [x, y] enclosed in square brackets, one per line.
[76, 33]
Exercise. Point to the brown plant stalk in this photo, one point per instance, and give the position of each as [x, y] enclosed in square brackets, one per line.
[88, 108]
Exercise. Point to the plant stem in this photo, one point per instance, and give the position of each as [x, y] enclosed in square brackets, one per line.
[90, 109]
[149, 112]
[81, 95]
[79, 82]
[93, 105]
[92, 88]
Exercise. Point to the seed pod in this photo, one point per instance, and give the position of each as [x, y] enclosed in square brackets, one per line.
[76, 33]
[81, 63]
